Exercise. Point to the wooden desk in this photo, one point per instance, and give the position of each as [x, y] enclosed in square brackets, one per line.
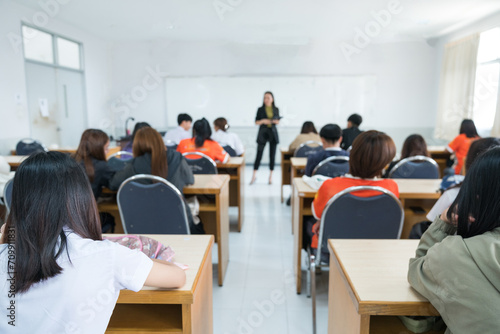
[235, 167]
[412, 192]
[185, 310]
[441, 155]
[368, 287]
[213, 212]
[285, 168]
[298, 165]
[14, 160]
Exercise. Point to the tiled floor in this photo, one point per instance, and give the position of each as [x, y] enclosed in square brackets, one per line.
[258, 296]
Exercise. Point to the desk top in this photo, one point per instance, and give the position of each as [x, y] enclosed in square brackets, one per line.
[437, 149]
[285, 150]
[233, 162]
[206, 184]
[192, 250]
[15, 160]
[408, 188]
[376, 272]
[298, 162]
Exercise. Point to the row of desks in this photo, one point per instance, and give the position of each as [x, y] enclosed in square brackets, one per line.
[224, 190]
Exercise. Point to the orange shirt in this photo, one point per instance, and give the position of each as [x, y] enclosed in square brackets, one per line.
[210, 148]
[331, 187]
[460, 145]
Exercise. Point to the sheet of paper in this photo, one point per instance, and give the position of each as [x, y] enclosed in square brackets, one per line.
[44, 107]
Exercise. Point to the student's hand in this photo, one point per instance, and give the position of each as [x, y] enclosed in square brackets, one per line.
[276, 121]
[315, 228]
[454, 218]
[2, 229]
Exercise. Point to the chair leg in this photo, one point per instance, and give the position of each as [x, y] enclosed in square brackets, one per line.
[313, 291]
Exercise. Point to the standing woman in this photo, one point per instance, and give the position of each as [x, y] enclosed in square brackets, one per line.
[268, 116]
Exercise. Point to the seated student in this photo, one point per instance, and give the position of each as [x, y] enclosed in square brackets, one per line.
[352, 131]
[91, 154]
[61, 262]
[137, 127]
[456, 266]
[202, 142]
[307, 133]
[331, 136]
[151, 157]
[371, 153]
[414, 145]
[227, 138]
[181, 132]
[460, 145]
[476, 148]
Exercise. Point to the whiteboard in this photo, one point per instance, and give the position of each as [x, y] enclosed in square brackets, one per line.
[321, 99]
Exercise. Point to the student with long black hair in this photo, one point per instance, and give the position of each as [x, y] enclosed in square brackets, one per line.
[137, 127]
[53, 261]
[457, 263]
[203, 143]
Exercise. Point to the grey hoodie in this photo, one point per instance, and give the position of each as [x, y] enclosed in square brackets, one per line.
[460, 277]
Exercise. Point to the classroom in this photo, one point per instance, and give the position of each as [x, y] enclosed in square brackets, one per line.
[248, 167]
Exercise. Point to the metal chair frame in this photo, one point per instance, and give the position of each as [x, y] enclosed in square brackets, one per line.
[121, 153]
[330, 159]
[411, 159]
[202, 156]
[152, 178]
[307, 143]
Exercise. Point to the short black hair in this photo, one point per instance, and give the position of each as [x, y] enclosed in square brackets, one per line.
[183, 117]
[355, 119]
[331, 132]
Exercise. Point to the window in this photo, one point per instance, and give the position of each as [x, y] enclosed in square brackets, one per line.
[42, 46]
[38, 45]
[487, 78]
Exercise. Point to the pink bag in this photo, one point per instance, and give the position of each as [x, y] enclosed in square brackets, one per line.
[151, 247]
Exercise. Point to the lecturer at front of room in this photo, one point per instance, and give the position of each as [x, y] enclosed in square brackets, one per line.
[268, 116]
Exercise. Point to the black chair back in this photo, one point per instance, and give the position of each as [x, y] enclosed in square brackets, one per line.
[308, 148]
[416, 167]
[230, 151]
[153, 208]
[347, 216]
[333, 166]
[200, 163]
[29, 146]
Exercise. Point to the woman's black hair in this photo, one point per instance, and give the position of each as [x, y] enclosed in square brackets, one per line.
[50, 191]
[201, 132]
[137, 127]
[308, 127]
[468, 128]
[268, 92]
[479, 196]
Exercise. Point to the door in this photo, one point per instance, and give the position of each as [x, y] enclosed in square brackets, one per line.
[64, 93]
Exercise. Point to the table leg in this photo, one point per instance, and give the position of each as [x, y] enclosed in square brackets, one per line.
[297, 204]
[222, 203]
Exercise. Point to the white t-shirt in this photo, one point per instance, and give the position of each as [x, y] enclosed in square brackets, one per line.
[231, 139]
[81, 299]
[176, 135]
[442, 203]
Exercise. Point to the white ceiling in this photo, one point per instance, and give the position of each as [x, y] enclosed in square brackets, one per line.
[266, 21]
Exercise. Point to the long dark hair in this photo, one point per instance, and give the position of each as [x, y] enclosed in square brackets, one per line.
[50, 191]
[148, 140]
[201, 132]
[468, 128]
[479, 196]
[308, 127]
[414, 145]
[268, 92]
[91, 146]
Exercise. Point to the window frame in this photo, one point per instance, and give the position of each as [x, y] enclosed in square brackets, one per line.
[55, 63]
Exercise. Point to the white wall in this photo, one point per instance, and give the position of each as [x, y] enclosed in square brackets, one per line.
[14, 123]
[405, 73]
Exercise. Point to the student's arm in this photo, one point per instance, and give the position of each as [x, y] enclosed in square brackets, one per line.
[120, 176]
[164, 274]
[238, 145]
[455, 143]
